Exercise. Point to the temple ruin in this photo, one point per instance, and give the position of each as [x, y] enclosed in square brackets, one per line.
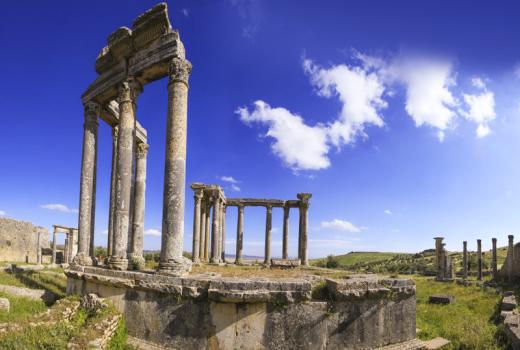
[70, 247]
[168, 307]
[22, 242]
[210, 202]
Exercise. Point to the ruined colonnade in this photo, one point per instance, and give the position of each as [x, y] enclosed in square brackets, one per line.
[71, 243]
[210, 202]
[132, 58]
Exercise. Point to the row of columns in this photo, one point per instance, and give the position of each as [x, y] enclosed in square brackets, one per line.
[70, 241]
[128, 179]
[210, 200]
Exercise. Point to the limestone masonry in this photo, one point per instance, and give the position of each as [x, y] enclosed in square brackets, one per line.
[19, 241]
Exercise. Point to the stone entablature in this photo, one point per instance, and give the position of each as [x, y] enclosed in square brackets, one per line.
[202, 311]
[210, 199]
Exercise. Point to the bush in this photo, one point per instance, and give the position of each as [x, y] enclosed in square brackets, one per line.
[332, 262]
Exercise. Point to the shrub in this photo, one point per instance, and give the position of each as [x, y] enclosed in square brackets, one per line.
[332, 262]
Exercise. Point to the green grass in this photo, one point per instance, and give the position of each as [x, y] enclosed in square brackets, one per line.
[56, 284]
[21, 308]
[467, 323]
[364, 257]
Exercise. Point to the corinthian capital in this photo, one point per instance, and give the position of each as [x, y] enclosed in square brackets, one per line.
[115, 133]
[92, 107]
[142, 150]
[180, 70]
[129, 90]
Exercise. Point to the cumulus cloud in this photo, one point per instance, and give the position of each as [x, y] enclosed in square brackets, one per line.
[2, 213]
[340, 225]
[300, 146]
[360, 93]
[388, 212]
[185, 12]
[235, 188]
[59, 207]
[229, 179]
[152, 232]
[481, 107]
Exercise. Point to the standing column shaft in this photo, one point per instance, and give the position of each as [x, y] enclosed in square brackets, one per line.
[214, 232]
[268, 228]
[88, 183]
[240, 235]
[113, 194]
[479, 259]
[465, 259]
[39, 249]
[66, 250]
[196, 226]
[139, 206]
[510, 257]
[304, 225]
[439, 259]
[285, 242]
[223, 234]
[206, 233]
[494, 258]
[128, 92]
[71, 245]
[172, 261]
[202, 230]
[54, 247]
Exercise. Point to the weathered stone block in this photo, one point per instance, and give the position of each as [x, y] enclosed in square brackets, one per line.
[5, 305]
[441, 299]
[508, 303]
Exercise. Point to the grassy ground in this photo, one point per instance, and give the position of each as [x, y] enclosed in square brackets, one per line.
[21, 308]
[260, 271]
[41, 279]
[467, 323]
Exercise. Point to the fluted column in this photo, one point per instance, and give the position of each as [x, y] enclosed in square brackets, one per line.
[87, 183]
[136, 253]
[494, 258]
[54, 246]
[510, 257]
[128, 92]
[172, 261]
[206, 230]
[196, 225]
[304, 225]
[240, 235]
[215, 258]
[223, 233]
[268, 229]
[479, 259]
[113, 193]
[285, 239]
[202, 230]
[465, 259]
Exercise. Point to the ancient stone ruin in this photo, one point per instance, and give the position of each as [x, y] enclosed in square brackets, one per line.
[211, 199]
[22, 242]
[168, 307]
[70, 247]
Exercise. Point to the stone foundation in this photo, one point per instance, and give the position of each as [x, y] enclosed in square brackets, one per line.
[210, 312]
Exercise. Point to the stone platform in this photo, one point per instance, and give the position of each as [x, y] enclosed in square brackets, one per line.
[211, 312]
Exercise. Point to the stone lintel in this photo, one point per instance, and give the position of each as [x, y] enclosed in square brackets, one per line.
[110, 114]
[253, 202]
[63, 229]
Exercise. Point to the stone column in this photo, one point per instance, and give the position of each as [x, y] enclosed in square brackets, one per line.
[196, 225]
[439, 260]
[172, 261]
[202, 230]
[128, 92]
[494, 258]
[510, 257]
[285, 242]
[207, 228]
[304, 224]
[214, 232]
[240, 235]
[70, 249]
[465, 259]
[136, 253]
[54, 246]
[87, 193]
[479, 259]
[66, 250]
[39, 251]
[223, 234]
[113, 194]
[268, 228]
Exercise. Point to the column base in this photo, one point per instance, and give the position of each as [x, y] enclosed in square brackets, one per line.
[82, 260]
[117, 263]
[175, 267]
[136, 262]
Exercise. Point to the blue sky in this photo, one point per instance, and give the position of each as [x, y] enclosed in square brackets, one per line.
[400, 117]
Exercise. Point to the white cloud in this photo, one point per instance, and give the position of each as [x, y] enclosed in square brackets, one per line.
[481, 107]
[185, 12]
[359, 91]
[59, 207]
[105, 232]
[301, 147]
[229, 179]
[2, 213]
[388, 211]
[235, 188]
[152, 232]
[340, 225]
